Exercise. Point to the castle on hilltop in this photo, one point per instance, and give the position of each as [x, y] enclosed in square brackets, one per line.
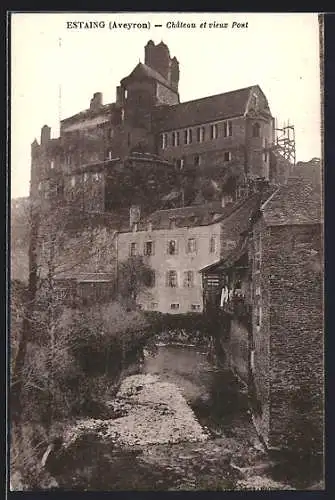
[182, 152]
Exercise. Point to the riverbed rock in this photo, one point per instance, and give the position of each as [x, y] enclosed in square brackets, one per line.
[157, 413]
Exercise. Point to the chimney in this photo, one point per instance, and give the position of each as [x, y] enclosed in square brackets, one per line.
[134, 215]
[148, 53]
[45, 134]
[96, 101]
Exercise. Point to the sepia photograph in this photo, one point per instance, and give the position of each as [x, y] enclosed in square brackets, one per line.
[166, 308]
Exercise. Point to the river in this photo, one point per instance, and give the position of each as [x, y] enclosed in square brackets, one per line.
[232, 458]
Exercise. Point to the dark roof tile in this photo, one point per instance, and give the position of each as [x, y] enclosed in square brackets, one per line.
[212, 108]
[298, 202]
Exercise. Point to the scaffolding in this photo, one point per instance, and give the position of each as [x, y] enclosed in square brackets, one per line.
[285, 142]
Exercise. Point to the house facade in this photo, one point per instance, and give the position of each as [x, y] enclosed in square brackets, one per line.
[273, 316]
[178, 243]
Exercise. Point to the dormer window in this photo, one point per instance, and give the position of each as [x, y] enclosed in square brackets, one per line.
[172, 223]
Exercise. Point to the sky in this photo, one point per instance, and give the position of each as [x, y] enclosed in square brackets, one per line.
[56, 70]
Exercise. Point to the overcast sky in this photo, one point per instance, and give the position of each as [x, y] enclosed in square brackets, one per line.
[280, 52]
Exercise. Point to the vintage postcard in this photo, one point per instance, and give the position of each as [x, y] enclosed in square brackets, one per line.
[166, 306]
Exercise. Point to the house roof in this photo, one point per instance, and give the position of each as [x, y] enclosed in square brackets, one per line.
[239, 251]
[206, 109]
[298, 202]
[142, 70]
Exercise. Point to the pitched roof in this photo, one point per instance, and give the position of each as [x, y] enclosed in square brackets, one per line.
[142, 70]
[200, 215]
[197, 215]
[206, 109]
[298, 202]
[236, 254]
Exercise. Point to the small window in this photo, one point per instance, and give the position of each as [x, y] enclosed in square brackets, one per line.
[73, 181]
[200, 134]
[214, 131]
[188, 279]
[191, 246]
[197, 160]
[172, 279]
[110, 155]
[174, 307]
[227, 156]
[150, 279]
[149, 227]
[154, 305]
[149, 248]
[181, 163]
[172, 247]
[133, 249]
[258, 290]
[195, 307]
[68, 159]
[125, 93]
[85, 176]
[212, 244]
[164, 141]
[122, 115]
[39, 187]
[188, 136]
[175, 138]
[227, 128]
[256, 130]
[52, 164]
[265, 156]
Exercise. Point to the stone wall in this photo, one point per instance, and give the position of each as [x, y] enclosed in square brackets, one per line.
[296, 317]
[261, 297]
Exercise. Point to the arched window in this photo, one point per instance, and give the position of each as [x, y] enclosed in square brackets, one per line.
[256, 130]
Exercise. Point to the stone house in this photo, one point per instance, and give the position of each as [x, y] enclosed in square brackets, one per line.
[177, 243]
[274, 341]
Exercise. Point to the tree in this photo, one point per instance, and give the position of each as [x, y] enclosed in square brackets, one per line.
[134, 276]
